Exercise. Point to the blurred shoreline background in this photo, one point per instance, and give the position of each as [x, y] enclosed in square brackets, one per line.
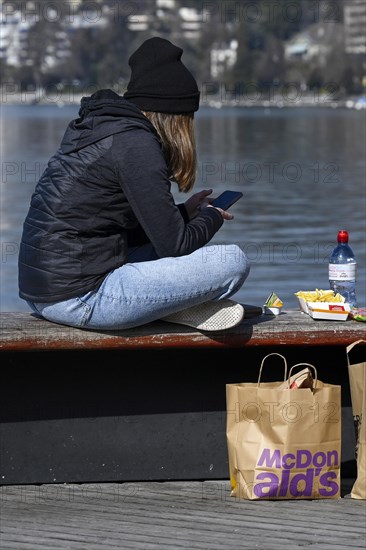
[283, 52]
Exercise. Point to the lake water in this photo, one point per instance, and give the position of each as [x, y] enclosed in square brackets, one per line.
[302, 172]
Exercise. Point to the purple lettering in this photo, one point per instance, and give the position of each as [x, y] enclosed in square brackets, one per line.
[334, 455]
[306, 481]
[319, 459]
[267, 489]
[307, 457]
[330, 488]
[284, 483]
[289, 465]
[266, 458]
[272, 485]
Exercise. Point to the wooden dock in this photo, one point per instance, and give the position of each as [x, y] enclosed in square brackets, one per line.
[26, 332]
[116, 440]
[147, 404]
[173, 515]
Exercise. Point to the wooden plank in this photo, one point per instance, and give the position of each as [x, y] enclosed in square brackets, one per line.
[25, 332]
[172, 515]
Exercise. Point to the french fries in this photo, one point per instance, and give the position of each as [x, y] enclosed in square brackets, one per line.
[320, 296]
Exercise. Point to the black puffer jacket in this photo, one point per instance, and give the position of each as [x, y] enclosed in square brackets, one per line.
[106, 185]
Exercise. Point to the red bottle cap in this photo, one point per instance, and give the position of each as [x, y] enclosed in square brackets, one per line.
[342, 236]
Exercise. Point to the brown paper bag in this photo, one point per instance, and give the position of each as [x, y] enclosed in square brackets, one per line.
[357, 380]
[284, 443]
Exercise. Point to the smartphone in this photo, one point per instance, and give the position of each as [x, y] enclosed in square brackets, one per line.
[227, 199]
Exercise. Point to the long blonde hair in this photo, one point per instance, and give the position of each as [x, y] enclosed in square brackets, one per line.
[176, 132]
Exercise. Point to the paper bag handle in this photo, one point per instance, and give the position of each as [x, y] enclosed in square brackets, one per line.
[306, 365]
[261, 367]
[348, 348]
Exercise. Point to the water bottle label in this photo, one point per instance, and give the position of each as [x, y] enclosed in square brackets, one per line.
[342, 272]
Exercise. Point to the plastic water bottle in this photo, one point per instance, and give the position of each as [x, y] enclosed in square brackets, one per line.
[342, 269]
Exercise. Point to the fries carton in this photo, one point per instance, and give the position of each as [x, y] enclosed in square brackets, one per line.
[328, 310]
[323, 304]
[303, 304]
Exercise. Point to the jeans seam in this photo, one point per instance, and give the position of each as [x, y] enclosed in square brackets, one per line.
[86, 311]
[150, 299]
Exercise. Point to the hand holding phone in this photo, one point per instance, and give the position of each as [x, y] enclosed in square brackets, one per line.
[226, 199]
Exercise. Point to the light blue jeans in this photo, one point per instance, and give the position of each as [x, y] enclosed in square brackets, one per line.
[146, 289]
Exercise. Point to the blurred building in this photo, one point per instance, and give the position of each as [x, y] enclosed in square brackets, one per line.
[355, 26]
[223, 57]
[314, 43]
[186, 22]
[14, 29]
[17, 18]
[166, 17]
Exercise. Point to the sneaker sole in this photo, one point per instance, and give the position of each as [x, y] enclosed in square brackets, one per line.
[210, 316]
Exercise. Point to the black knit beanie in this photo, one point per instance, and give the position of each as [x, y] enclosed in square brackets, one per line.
[159, 81]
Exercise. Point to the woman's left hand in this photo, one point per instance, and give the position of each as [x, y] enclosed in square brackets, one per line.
[197, 201]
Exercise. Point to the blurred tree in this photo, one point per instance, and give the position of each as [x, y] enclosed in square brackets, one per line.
[315, 79]
[41, 49]
[115, 44]
[98, 55]
[40, 40]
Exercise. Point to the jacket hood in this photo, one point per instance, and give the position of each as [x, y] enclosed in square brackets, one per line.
[102, 114]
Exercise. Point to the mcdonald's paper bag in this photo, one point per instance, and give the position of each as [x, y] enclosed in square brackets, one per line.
[357, 380]
[284, 443]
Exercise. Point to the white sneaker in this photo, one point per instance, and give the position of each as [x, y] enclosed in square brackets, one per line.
[213, 315]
